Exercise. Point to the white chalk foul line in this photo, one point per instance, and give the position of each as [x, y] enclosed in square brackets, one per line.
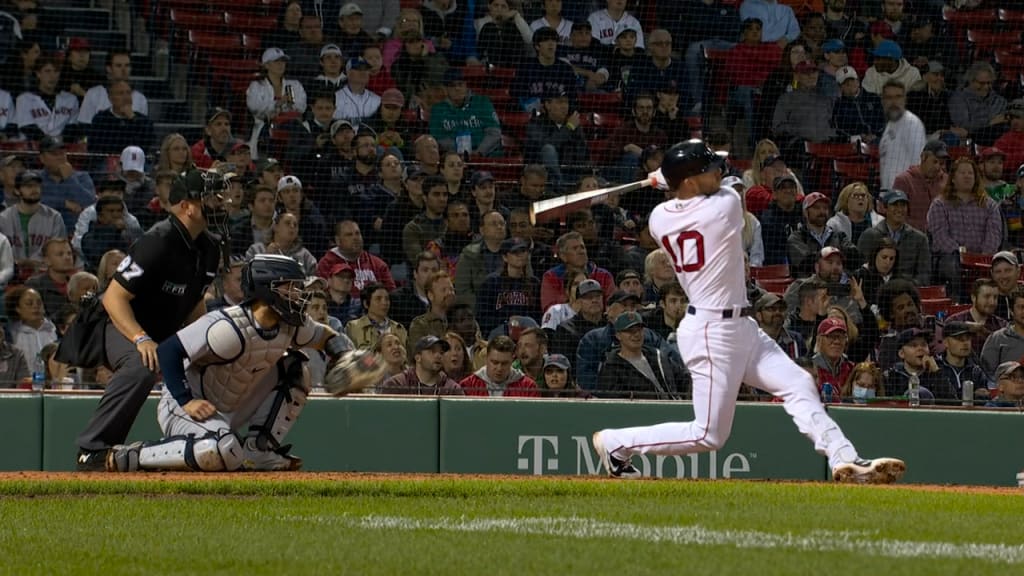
[584, 528]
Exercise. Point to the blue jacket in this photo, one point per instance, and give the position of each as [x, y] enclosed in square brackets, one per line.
[78, 188]
[859, 115]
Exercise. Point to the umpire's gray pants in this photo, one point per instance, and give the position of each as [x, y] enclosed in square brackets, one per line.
[122, 398]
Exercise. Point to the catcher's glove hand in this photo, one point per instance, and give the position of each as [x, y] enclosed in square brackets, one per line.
[353, 372]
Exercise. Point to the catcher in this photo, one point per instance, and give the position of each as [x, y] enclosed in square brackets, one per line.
[240, 367]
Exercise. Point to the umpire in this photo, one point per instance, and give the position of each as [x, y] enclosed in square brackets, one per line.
[158, 288]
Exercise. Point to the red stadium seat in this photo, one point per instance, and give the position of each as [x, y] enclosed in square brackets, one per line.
[1014, 17]
[985, 42]
[957, 308]
[819, 174]
[932, 292]
[850, 171]
[932, 306]
[771, 272]
[600, 102]
[776, 285]
[249, 23]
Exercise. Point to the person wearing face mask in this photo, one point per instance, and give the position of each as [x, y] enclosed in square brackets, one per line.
[958, 363]
[863, 384]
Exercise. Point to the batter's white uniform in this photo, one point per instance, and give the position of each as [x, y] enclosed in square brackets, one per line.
[721, 347]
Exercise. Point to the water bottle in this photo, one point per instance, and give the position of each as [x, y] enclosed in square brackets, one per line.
[826, 393]
[38, 374]
[968, 393]
[914, 391]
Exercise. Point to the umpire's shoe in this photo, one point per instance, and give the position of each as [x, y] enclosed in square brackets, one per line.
[616, 468]
[92, 460]
[877, 471]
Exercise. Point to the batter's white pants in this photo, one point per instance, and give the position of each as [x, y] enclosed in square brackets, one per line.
[722, 354]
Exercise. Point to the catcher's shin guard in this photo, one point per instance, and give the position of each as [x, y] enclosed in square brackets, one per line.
[276, 415]
[215, 452]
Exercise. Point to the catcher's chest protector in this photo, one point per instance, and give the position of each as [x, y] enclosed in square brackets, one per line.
[244, 358]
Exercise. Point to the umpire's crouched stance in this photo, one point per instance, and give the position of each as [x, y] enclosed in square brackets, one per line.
[158, 288]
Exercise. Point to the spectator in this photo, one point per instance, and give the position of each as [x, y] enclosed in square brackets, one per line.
[350, 192]
[355, 102]
[428, 226]
[109, 231]
[465, 122]
[607, 24]
[480, 259]
[543, 74]
[367, 330]
[659, 69]
[447, 24]
[589, 315]
[45, 111]
[853, 212]
[228, 285]
[502, 36]
[977, 108]
[625, 57]
[857, 113]
[531, 352]
[830, 269]
[335, 158]
[807, 242]
[341, 304]
[274, 94]
[15, 368]
[76, 75]
[426, 377]
[924, 183]
[284, 239]
[889, 65]
[658, 271]
[830, 359]
[637, 370]
[587, 56]
[627, 143]
[312, 230]
[96, 99]
[804, 114]
[864, 383]
[29, 224]
[553, 19]
[286, 31]
[29, 329]
[805, 317]
[393, 131]
[532, 188]
[541, 255]
[463, 322]
[558, 381]
[778, 19]
[573, 253]
[52, 284]
[511, 291]
[916, 360]
[380, 77]
[1012, 142]
[10, 167]
[350, 35]
[441, 295]
[457, 362]
[119, 126]
[348, 248]
[766, 165]
[481, 187]
[498, 378]
[332, 74]
[561, 312]
[132, 227]
[899, 307]
[960, 363]
[410, 300]
[836, 57]
[457, 236]
[699, 26]
[770, 312]
[554, 139]
[174, 155]
[1005, 272]
[418, 70]
[931, 105]
[256, 228]
[892, 16]
[747, 66]
[305, 54]
[981, 316]
[779, 220]
[65, 189]
[1010, 386]
[1006, 343]
[963, 218]
[903, 138]
[914, 261]
[990, 163]
[394, 355]
[217, 139]
[664, 320]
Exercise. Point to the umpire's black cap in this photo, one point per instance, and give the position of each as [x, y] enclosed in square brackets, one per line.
[194, 185]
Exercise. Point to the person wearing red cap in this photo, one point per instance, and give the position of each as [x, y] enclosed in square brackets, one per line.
[806, 243]
[349, 249]
[991, 162]
[341, 304]
[830, 356]
[76, 75]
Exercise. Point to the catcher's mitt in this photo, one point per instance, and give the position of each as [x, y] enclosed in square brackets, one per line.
[353, 372]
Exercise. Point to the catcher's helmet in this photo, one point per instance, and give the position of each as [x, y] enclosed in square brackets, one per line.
[687, 159]
[280, 282]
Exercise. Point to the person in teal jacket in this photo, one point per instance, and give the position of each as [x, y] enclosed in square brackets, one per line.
[465, 122]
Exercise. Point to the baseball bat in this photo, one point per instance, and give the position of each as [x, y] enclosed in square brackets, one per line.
[558, 208]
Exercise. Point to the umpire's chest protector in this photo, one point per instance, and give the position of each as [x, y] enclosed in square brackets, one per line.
[240, 358]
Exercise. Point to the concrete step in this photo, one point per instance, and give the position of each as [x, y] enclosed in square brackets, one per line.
[59, 19]
[169, 111]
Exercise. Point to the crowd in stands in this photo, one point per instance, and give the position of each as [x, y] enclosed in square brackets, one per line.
[395, 149]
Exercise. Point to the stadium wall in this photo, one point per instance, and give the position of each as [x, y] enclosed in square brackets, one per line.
[542, 437]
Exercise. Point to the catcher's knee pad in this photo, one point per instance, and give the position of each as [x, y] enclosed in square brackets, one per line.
[215, 452]
[287, 400]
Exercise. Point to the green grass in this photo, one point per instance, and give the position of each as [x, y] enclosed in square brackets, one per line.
[495, 526]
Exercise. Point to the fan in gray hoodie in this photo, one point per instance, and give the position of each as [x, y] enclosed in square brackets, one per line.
[1008, 343]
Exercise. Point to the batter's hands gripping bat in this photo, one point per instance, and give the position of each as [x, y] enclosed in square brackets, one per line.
[557, 208]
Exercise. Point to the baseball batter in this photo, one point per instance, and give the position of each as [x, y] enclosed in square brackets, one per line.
[721, 344]
[234, 368]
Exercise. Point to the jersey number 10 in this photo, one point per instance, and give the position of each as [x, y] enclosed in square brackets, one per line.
[679, 256]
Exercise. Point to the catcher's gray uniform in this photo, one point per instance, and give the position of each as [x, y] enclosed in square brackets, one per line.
[254, 377]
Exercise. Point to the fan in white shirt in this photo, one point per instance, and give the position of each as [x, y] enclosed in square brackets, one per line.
[354, 102]
[119, 67]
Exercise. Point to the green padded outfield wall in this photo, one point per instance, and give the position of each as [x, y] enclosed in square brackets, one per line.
[553, 437]
[64, 417]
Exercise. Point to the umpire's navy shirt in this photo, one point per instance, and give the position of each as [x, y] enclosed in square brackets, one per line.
[168, 273]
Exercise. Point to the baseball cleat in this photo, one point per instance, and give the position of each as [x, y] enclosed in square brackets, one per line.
[616, 468]
[92, 460]
[862, 471]
[124, 457]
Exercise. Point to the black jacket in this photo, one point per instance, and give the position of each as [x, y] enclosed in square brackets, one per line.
[619, 379]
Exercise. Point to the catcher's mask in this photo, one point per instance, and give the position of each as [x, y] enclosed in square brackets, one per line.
[280, 282]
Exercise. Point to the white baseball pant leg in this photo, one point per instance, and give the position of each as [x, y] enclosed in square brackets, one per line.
[716, 353]
[174, 421]
[770, 369]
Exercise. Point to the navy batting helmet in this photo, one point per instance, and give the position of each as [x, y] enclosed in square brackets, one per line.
[278, 281]
[687, 159]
